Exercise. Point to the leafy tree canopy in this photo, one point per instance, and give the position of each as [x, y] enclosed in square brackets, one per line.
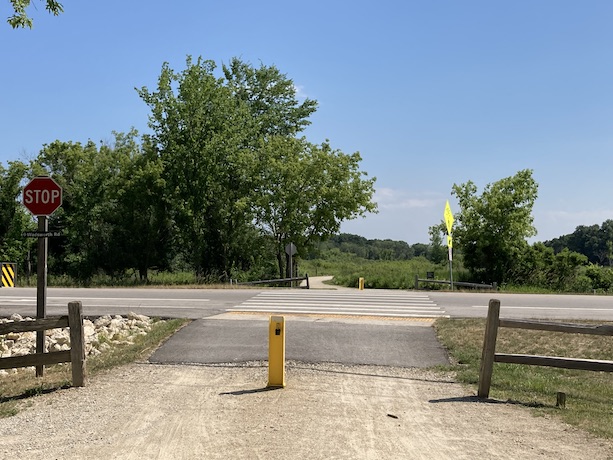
[236, 175]
[20, 18]
[270, 96]
[593, 241]
[306, 191]
[13, 218]
[492, 228]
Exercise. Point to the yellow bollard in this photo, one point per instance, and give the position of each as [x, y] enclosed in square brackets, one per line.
[276, 352]
[361, 284]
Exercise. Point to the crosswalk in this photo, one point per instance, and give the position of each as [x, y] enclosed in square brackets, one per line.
[350, 303]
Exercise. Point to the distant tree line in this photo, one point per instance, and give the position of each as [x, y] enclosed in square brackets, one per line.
[221, 185]
[375, 249]
[594, 241]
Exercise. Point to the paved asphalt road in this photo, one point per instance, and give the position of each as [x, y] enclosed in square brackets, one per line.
[236, 339]
[200, 303]
[221, 333]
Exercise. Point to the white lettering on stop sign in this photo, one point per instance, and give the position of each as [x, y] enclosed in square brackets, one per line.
[42, 196]
[27, 197]
[49, 196]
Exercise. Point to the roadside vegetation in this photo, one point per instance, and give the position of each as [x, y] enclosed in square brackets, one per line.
[347, 269]
[15, 389]
[350, 257]
[589, 394]
[384, 264]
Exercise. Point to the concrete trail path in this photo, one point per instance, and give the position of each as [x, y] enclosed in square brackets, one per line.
[319, 282]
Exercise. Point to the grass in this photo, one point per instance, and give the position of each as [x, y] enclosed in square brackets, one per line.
[129, 279]
[589, 403]
[378, 274]
[16, 389]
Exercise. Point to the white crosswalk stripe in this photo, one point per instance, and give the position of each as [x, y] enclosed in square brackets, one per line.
[351, 303]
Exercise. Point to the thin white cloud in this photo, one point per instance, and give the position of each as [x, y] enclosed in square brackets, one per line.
[585, 217]
[300, 92]
[388, 198]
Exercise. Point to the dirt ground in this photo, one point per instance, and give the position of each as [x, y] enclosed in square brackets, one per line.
[327, 411]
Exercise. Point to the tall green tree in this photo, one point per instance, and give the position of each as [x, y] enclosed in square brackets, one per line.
[606, 246]
[113, 215]
[14, 219]
[20, 18]
[306, 191]
[492, 228]
[86, 175]
[142, 224]
[237, 177]
[203, 136]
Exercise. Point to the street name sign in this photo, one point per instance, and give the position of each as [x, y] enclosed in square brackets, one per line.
[48, 234]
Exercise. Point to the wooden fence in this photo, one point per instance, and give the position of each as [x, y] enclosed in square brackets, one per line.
[489, 355]
[455, 283]
[76, 354]
[291, 281]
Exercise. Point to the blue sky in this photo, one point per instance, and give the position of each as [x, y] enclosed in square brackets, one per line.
[431, 93]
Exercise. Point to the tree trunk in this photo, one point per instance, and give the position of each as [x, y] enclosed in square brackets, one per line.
[280, 262]
[143, 273]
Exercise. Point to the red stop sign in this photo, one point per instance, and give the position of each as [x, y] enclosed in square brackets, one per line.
[42, 196]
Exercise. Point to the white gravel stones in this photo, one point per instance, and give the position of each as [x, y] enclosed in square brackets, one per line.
[99, 335]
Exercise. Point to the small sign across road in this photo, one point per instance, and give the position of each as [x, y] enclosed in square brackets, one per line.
[291, 249]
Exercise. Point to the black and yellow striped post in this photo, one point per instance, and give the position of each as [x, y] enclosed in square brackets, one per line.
[8, 270]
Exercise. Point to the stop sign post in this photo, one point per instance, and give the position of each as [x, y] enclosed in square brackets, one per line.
[42, 196]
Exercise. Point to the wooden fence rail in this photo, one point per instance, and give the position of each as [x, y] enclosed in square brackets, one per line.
[489, 355]
[76, 354]
[455, 283]
[276, 281]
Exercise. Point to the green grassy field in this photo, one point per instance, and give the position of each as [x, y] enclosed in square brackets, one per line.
[378, 274]
[589, 403]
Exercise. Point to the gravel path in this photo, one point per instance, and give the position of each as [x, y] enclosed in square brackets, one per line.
[146, 411]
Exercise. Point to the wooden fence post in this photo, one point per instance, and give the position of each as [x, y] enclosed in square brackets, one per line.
[489, 348]
[77, 343]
